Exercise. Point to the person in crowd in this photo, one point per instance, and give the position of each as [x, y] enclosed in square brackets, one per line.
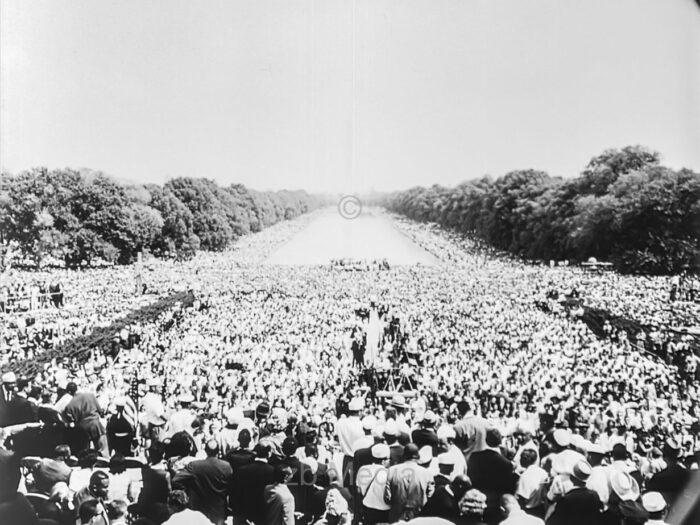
[408, 486]
[492, 474]
[514, 514]
[248, 487]
[279, 502]
[371, 482]
[120, 430]
[579, 505]
[180, 513]
[207, 483]
[97, 489]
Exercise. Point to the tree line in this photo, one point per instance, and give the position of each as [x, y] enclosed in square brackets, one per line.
[81, 217]
[625, 208]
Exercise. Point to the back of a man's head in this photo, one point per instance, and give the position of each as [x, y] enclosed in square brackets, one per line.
[178, 500]
[262, 451]
[116, 509]
[244, 438]
[528, 457]
[211, 448]
[281, 474]
[88, 510]
[493, 438]
[509, 504]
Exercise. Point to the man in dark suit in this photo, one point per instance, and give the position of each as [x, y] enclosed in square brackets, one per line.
[444, 503]
[579, 506]
[7, 392]
[241, 455]
[248, 487]
[20, 409]
[492, 474]
[426, 435]
[207, 483]
[671, 481]
[391, 436]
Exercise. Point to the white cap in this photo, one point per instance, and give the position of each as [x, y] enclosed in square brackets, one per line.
[356, 404]
[561, 437]
[9, 377]
[653, 502]
[154, 381]
[380, 451]
[446, 432]
[186, 398]
[378, 431]
[390, 428]
[120, 401]
[425, 454]
[446, 459]
[234, 416]
[369, 422]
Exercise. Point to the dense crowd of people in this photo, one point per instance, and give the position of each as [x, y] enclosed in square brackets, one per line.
[245, 398]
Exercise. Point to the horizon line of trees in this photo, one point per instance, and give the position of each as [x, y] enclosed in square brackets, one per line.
[625, 208]
[81, 217]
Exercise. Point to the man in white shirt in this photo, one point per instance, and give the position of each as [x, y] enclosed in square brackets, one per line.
[371, 481]
[348, 430]
[514, 514]
[153, 417]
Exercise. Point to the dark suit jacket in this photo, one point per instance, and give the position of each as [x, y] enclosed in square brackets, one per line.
[670, 482]
[248, 490]
[395, 454]
[441, 504]
[423, 436]
[493, 475]
[579, 506]
[362, 457]
[156, 487]
[239, 457]
[21, 410]
[207, 482]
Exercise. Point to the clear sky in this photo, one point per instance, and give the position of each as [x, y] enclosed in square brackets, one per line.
[342, 95]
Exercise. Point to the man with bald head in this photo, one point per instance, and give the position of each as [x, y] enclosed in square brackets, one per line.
[207, 482]
[514, 515]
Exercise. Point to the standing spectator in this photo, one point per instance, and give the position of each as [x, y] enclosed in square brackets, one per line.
[207, 483]
[279, 502]
[408, 486]
[492, 474]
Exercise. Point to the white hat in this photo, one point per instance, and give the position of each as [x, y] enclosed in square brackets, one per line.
[425, 455]
[525, 426]
[234, 416]
[653, 502]
[578, 441]
[380, 451]
[594, 448]
[446, 459]
[429, 417]
[9, 377]
[120, 401]
[154, 381]
[369, 422]
[378, 431]
[446, 432]
[356, 404]
[390, 428]
[398, 401]
[561, 437]
[624, 485]
[186, 398]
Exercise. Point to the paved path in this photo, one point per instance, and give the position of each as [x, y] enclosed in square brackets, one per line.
[370, 236]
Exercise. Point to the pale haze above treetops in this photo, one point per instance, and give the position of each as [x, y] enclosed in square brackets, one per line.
[337, 96]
